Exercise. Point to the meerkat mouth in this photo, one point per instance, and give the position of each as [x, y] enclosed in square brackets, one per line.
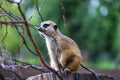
[42, 36]
[42, 31]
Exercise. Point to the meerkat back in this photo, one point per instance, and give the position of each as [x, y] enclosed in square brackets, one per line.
[70, 57]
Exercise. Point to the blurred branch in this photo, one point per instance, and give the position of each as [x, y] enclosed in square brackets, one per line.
[5, 35]
[63, 11]
[10, 68]
[57, 52]
[12, 22]
[19, 21]
[38, 10]
[17, 18]
[24, 41]
[33, 66]
[9, 14]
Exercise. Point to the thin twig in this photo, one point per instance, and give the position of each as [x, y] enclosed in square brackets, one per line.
[11, 15]
[38, 10]
[24, 41]
[17, 17]
[33, 66]
[4, 37]
[57, 52]
[63, 11]
[12, 22]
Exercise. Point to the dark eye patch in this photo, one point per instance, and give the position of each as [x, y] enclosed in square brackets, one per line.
[45, 25]
[55, 27]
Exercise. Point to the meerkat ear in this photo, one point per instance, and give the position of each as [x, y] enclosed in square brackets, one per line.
[55, 27]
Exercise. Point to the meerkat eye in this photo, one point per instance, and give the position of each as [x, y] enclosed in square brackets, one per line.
[45, 25]
[55, 27]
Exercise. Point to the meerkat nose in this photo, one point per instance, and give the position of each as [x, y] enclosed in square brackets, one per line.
[41, 30]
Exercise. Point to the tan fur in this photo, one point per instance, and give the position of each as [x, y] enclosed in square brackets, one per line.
[69, 55]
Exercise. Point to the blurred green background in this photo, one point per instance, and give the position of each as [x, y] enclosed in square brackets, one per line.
[93, 24]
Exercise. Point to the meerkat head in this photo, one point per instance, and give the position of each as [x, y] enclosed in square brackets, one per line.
[48, 27]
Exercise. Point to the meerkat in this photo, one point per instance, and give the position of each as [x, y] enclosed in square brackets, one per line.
[69, 55]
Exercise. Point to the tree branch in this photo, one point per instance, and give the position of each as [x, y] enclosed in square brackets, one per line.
[63, 11]
[12, 22]
[10, 68]
[19, 21]
[33, 66]
[40, 8]
[24, 41]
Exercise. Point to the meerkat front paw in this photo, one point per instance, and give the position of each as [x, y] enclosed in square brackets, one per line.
[66, 70]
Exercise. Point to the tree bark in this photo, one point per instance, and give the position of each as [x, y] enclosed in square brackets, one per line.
[69, 76]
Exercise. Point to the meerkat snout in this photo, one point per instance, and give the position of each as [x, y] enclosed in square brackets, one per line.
[41, 30]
